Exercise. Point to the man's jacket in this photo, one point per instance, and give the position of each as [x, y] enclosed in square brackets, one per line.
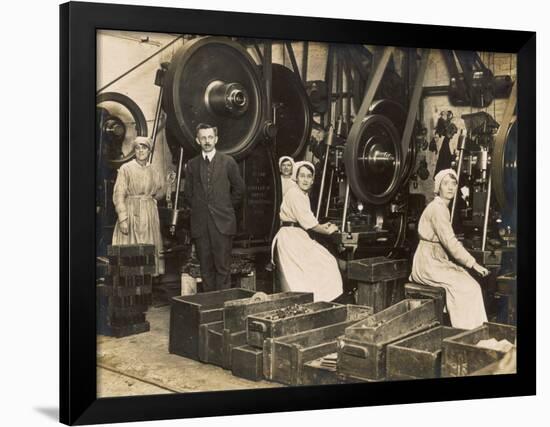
[219, 198]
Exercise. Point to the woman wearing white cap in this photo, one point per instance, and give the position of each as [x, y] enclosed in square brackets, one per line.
[432, 265]
[286, 168]
[136, 189]
[304, 265]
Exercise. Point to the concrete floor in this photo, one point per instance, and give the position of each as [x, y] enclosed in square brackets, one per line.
[141, 365]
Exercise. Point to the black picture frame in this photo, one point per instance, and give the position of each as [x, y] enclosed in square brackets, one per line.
[78, 25]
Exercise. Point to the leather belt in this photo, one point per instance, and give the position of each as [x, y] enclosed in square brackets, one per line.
[289, 224]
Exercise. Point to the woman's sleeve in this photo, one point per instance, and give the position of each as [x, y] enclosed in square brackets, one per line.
[160, 185]
[441, 223]
[301, 210]
[119, 194]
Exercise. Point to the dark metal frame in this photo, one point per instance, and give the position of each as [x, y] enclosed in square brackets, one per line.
[79, 22]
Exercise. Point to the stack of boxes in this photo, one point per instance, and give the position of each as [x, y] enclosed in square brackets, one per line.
[127, 292]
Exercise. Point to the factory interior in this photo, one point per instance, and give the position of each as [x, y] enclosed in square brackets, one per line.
[404, 280]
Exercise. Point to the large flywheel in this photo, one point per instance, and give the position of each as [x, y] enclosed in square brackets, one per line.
[119, 120]
[292, 112]
[214, 80]
[373, 160]
[398, 116]
[505, 173]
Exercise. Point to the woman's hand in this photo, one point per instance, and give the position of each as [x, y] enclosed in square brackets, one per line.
[479, 269]
[330, 228]
[123, 226]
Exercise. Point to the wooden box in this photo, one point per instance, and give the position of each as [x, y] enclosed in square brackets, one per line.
[418, 356]
[264, 325]
[419, 291]
[229, 342]
[247, 362]
[188, 312]
[315, 373]
[461, 355]
[236, 312]
[284, 357]
[377, 269]
[211, 343]
[405, 317]
[379, 283]
[379, 295]
[362, 352]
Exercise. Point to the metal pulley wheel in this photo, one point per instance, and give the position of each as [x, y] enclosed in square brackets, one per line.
[373, 160]
[292, 112]
[214, 80]
[119, 120]
[505, 173]
[397, 114]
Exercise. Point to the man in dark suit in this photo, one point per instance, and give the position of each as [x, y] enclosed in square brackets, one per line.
[213, 189]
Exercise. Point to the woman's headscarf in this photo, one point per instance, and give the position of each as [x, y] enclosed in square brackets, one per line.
[144, 141]
[297, 166]
[284, 158]
[439, 177]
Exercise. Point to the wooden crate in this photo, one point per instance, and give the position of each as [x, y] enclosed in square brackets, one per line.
[211, 343]
[377, 269]
[119, 331]
[379, 283]
[115, 291]
[247, 362]
[129, 281]
[365, 360]
[314, 373]
[124, 270]
[188, 312]
[379, 295]
[284, 357]
[506, 299]
[405, 317]
[462, 357]
[418, 356]
[235, 312]
[419, 291]
[130, 250]
[362, 352]
[230, 341]
[262, 326]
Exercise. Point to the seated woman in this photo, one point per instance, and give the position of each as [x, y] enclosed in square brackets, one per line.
[137, 187]
[304, 265]
[286, 168]
[431, 263]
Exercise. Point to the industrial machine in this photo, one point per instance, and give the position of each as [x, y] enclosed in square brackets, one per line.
[361, 125]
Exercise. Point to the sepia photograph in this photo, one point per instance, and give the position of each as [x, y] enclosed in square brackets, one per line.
[268, 213]
[274, 213]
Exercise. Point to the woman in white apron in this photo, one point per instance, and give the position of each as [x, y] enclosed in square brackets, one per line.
[303, 264]
[431, 263]
[136, 189]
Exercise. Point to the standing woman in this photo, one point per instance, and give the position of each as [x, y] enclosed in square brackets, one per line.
[304, 265]
[432, 265]
[286, 168]
[137, 188]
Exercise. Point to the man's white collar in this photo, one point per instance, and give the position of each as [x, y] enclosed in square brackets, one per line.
[210, 155]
